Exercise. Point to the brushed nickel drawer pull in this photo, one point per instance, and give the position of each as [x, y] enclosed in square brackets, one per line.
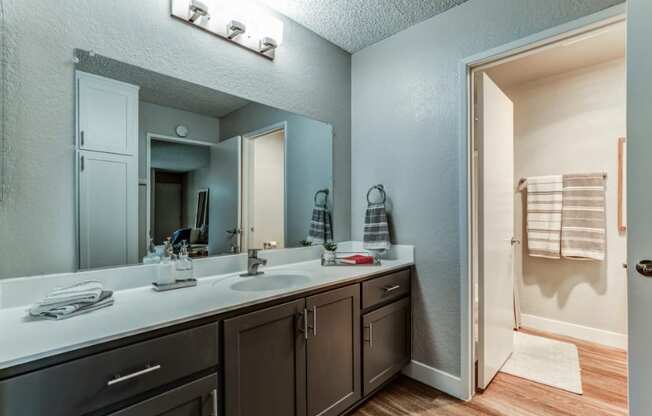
[214, 399]
[371, 335]
[391, 288]
[305, 323]
[314, 321]
[146, 370]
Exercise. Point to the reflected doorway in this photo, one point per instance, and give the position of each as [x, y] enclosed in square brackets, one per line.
[264, 188]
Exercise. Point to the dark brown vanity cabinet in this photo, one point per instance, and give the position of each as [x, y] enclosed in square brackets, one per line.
[386, 345]
[90, 384]
[197, 398]
[333, 354]
[265, 362]
[300, 358]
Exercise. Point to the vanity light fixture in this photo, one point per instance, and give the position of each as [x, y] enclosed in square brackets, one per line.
[245, 23]
[267, 44]
[235, 29]
[197, 9]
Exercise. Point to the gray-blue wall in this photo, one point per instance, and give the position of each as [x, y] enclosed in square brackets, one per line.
[158, 119]
[309, 76]
[309, 163]
[406, 114]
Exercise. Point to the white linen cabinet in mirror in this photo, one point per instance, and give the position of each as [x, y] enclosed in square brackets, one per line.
[107, 115]
[107, 146]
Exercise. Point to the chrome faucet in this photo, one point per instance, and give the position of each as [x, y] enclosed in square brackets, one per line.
[253, 262]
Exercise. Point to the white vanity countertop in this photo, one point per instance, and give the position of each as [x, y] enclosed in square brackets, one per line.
[142, 309]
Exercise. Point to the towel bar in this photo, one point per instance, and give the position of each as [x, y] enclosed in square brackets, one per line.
[522, 183]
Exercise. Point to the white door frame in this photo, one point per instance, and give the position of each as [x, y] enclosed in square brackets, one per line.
[148, 164]
[467, 66]
[244, 203]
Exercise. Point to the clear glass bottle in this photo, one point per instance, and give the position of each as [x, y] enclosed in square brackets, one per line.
[184, 267]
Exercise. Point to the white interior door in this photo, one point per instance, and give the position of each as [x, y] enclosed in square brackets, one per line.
[494, 139]
[639, 205]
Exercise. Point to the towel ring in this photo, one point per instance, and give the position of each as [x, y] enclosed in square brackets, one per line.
[380, 189]
[321, 191]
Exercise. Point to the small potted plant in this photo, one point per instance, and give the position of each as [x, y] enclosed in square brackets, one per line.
[329, 252]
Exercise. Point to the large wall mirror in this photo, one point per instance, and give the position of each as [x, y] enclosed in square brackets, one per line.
[162, 159]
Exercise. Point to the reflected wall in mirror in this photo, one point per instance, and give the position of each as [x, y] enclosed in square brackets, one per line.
[164, 160]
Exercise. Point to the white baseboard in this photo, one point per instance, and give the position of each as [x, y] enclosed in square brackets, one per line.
[437, 379]
[586, 333]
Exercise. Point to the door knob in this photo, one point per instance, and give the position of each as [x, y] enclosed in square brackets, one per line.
[644, 267]
[514, 241]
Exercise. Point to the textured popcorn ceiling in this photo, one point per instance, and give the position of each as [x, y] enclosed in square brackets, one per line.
[356, 24]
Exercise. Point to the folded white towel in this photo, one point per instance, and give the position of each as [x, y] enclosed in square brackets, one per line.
[72, 300]
[68, 311]
[87, 291]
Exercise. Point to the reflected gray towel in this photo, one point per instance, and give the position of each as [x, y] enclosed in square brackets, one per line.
[583, 228]
[321, 226]
[376, 228]
[68, 311]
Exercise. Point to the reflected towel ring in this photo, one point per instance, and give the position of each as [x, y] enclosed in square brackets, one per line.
[380, 189]
[321, 191]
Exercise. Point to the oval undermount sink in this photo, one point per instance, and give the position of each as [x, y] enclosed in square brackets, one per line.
[269, 281]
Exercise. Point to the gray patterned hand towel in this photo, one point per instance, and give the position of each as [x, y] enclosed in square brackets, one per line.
[376, 228]
[321, 226]
[583, 227]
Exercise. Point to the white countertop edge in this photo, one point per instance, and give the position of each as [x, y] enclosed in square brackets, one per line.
[356, 273]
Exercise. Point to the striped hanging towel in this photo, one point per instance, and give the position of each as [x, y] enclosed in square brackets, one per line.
[321, 226]
[583, 227]
[544, 206]
[376, 228]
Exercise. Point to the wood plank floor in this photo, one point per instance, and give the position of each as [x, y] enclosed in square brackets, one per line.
[604, 381]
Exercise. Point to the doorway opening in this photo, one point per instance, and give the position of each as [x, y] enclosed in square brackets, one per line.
[263, 183]
[547, 226]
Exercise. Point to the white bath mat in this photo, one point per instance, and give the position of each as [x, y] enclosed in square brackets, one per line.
[545, 361]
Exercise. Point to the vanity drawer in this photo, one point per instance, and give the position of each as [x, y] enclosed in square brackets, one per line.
[386, 288]
[91, 383]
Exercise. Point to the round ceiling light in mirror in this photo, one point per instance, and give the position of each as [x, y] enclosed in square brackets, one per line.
[182, 131]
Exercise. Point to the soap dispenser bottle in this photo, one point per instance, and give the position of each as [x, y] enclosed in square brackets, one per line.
[184, 267]
[166, 275]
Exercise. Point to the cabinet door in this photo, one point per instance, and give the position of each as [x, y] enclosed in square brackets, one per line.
[197, 398]
[265, 362]
[333, 364]
[107, 115]
[108, 210]
[386, 343]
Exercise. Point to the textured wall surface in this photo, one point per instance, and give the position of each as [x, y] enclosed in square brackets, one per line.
[406, 114]
[309, 162]
[309, 76]
[558, 122]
